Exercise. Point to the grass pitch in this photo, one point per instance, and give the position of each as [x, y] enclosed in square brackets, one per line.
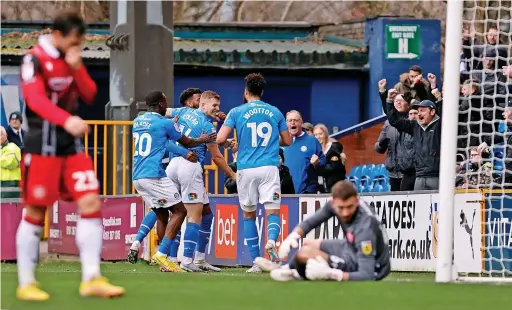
[147, 288]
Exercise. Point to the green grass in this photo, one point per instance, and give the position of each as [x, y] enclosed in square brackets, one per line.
[147, 288]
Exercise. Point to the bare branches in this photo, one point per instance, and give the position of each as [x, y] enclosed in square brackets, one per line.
[215, 11]
[286, 10]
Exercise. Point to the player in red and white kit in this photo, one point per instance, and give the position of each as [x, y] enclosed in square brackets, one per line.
[54, 165]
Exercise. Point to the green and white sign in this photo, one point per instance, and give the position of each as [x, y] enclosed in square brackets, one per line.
[403, 42]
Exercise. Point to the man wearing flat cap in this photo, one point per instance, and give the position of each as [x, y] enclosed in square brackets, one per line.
[426, 132]
[14, 132]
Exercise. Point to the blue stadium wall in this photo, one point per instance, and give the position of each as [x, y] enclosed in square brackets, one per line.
[334, 101]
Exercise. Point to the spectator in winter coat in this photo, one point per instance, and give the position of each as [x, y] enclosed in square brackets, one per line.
[414, 83]
[15, 133]
[492, 82]
[506, 178]
[426, 133]
[398, 146]
[475, 118]
[334, 169]
[475, 173]
[474, 49]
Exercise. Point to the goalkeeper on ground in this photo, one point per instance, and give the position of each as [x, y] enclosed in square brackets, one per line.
[362, 256]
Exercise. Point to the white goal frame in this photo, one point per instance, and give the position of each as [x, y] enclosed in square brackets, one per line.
[445, 269]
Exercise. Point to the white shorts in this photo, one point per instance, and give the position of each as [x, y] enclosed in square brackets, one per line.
[158, 193]
[188, 179]
[261, 185]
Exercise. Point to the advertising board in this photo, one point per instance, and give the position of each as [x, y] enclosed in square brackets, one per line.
[498, 233]
[10, 217]
[411, 222]
[121, 219]
[227, 244]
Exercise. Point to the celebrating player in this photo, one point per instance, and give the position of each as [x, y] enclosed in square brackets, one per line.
[153, 134]
[362, 256]
[188, 98]
[54, 164]
[259, 127]
[188, 177]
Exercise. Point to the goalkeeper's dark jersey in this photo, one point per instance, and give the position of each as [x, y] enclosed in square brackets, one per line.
[366, 237]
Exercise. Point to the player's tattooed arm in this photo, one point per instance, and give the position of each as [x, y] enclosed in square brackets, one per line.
[191, 142]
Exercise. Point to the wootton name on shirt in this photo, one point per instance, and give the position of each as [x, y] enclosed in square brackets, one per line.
[254, 111]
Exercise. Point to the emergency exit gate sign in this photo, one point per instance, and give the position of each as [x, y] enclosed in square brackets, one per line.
[403, 42]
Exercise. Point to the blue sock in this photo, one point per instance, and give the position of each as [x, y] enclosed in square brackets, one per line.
[251, 237]
[165, 245]
[273, 226]
[190, 240]
[204, 233]
[173, 250]
[145, 227]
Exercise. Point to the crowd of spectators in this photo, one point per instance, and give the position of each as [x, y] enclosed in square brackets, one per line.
[411, 137]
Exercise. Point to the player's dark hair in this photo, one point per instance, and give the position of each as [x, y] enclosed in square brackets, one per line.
[415, 68]
[188, 93]
[255, 84]
[154, 98]
[66, 22]
[343, 190]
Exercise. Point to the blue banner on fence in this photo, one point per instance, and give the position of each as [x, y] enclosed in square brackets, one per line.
[227, 246]
[498, 233]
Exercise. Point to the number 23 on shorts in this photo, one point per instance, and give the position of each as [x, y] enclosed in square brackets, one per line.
[79, 175]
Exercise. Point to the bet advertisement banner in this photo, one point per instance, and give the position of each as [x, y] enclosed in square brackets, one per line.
[10, 217]
[121, 219]
[227, 245]
[411, 223]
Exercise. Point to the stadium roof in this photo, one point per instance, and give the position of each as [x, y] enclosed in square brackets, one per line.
[239, 45]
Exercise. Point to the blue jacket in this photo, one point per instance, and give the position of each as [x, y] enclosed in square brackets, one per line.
[298, 156]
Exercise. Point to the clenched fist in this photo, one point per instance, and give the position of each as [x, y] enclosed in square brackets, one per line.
[382, 85]
[392, 93]
[432, 79]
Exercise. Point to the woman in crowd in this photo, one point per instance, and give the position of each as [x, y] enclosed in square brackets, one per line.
[334, 169]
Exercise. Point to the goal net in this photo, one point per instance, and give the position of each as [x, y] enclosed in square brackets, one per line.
[477, 74]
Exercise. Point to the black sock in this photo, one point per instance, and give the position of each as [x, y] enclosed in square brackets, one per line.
[300, 267]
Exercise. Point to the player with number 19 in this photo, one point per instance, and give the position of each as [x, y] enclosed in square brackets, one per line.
[153, 135]
[260, 129]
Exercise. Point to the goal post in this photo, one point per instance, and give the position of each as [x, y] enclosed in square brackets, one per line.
[451, 84]
[473, 124]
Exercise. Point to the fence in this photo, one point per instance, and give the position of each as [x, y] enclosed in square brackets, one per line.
[110, 146]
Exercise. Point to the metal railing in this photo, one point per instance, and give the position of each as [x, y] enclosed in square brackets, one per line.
[110, 146]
